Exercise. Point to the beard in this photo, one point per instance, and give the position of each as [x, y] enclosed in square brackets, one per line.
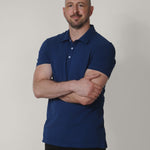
[77, 24]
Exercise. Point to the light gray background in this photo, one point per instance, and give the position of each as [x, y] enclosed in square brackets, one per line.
[25, 24]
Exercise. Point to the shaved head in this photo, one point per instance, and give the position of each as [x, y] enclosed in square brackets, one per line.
[89, 1]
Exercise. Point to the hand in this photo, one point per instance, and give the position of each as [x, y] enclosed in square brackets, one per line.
[86, 88]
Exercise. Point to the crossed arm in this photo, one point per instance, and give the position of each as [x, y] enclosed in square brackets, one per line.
[83, 91]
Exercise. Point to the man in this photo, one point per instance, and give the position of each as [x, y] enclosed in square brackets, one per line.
[72, 70]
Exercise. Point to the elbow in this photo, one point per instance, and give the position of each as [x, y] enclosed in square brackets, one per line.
[37, 92]
[37, 95]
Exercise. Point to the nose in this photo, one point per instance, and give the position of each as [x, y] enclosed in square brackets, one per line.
[75, 9]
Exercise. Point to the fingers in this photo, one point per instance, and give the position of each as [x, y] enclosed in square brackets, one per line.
[96, 91]
[94, 94]
[93, 97]
[97, 86]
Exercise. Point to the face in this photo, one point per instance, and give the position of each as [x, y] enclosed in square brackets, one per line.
[77, 12]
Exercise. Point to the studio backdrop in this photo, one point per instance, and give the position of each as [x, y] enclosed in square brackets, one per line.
[25, 24]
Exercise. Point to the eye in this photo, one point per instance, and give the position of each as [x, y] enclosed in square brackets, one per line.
[80, 5]
[69, 5]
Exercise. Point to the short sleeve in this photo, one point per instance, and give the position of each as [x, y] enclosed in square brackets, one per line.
[43, 57]
[103, 59]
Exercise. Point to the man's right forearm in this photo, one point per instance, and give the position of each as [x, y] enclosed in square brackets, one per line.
[51, 89]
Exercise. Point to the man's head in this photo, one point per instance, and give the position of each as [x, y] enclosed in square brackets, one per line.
[77, 12]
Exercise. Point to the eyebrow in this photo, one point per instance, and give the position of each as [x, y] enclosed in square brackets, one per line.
[81, 2]
[68, 3]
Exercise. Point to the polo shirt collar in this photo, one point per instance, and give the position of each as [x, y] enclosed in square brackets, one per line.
[85, 38]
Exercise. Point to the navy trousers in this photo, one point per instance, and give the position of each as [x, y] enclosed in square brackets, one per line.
[52, 147]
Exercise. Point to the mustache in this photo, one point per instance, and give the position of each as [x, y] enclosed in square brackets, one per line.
[76, 15]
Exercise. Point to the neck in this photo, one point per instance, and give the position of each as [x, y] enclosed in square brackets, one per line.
[75, 34]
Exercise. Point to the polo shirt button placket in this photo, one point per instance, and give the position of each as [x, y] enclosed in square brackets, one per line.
[69, 57]
[70, 53]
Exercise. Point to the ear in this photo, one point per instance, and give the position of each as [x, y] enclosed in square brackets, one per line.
[91, 10]
[64, 11]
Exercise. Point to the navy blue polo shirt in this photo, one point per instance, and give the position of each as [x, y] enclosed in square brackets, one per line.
[69, 124]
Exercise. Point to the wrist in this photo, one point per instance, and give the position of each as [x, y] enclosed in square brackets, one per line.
[73, 85]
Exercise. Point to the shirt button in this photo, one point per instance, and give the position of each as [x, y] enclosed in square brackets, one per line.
[72, 48]
[69, 57]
